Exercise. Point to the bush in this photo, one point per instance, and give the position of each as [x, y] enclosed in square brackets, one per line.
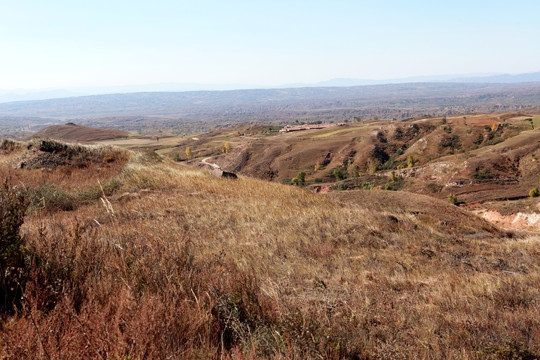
[317, 180]
[13, 205]
[9, 146]
[342, 186]
[452, 199]
[338, 174]
[50, 197]
[367, 186]
[534, 192]
[301, 177]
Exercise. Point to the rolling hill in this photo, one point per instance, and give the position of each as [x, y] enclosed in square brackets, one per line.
[133, 255]
[73, 132]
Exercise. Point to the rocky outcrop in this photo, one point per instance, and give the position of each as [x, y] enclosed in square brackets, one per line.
[224, 174]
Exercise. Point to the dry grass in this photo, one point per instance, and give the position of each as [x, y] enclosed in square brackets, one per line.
[199, 267]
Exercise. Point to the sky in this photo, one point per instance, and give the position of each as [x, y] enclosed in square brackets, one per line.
[73, 43]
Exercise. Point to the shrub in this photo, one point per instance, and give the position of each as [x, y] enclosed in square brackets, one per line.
[452, 199]
[13, 205]
[317, 180]
[353, 170]
[9, 146]
[534, 192]
[339, 175]
[483, 174]
[342, 186]
[50, 197]
[97, 191]
[301, 177]
[367, 186]
[410, 161]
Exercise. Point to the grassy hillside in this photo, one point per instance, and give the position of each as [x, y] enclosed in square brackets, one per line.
[160, 260]
[479, 157]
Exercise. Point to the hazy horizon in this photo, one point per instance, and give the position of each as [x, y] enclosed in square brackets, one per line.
[62, 44]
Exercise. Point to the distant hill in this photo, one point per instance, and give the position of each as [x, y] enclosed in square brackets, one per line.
[490, 79]
[503, 78]
[73, 132]
[199, 111]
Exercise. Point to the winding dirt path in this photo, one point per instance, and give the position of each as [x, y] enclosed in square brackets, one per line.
[205, 162]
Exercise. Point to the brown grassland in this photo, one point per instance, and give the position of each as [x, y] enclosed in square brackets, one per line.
[127, 255]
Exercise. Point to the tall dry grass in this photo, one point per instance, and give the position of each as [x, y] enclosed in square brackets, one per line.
[198, 267]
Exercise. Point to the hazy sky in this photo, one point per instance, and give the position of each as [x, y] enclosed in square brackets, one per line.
[74, 43]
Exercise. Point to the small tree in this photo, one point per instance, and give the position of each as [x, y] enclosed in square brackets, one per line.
[338, 174]
[317, 167]
[295, 181]
[301, 178]
[188, 152]
[534, 192]
[227, 147]
[452, 199]
[176, 157]
[394, 178]
[410, 161]
[353, 170]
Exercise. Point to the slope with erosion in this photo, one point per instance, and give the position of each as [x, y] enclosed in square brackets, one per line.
[481, 158]
[194, 266]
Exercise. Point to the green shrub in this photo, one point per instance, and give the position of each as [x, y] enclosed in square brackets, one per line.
[339, 175]
[50, 197]
[410, 161]
[452, 199]
[534, 192]
[13, 269]
[342, 186]
[367, 186]
[301, 178]
[317, 180]
[96, 192]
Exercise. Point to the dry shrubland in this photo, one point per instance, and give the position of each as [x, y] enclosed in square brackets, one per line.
[191, 266]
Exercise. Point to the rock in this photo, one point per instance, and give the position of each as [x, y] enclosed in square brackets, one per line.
[224, 174]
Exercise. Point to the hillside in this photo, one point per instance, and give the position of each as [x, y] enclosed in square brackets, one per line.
[74, 132]
[174, 263]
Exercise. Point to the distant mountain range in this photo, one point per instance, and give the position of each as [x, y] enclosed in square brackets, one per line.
[27, 95]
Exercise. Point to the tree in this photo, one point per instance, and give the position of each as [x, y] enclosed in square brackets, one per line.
[410, 161]
[353, 170]
[301, 177]
[534, 192]
[188, 152]
[295, 181]
[338, 174]
[317, 166]
[227, 147]
[452, 199]
[394, 178]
